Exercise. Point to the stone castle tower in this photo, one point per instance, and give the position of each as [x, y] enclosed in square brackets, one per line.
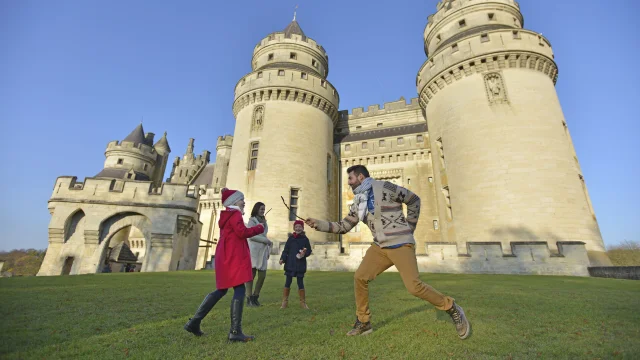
[137, 158]
[221, 168]
[503, 158]
[188, 168]
[285, 112]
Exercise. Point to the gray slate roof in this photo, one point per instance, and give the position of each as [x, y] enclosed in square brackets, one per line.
[120, 174]
[122, 253]
[380, 133]
[206, 176]
[136, 136]
[163, 143]
[293, 28]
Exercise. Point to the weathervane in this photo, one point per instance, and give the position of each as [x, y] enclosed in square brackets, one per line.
[294, 13]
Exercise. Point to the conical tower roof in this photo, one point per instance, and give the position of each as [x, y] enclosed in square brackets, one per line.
[293, 28]
[136, 136]
[163, 144]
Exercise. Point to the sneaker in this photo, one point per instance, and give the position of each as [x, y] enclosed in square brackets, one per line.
[360, 328]
[460, 320]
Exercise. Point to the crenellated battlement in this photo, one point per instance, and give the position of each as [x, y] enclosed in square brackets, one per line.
[290, 78]
[460, 20]
[123, 192]
[377, 109]
[570, 258]
[445, 7]
[496, 50]
[279, 37]
[224, 141]
[127, 146]
[288, 85]
[487, 43]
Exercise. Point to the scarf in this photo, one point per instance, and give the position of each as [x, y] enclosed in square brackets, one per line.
[235, 208]
[261, 219]
[362, 196]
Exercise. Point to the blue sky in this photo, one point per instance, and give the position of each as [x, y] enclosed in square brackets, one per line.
[77, 74]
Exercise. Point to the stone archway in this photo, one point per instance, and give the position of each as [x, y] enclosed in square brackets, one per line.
[74, 226]
[118, 229]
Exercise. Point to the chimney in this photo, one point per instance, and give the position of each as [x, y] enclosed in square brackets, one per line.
[148, 138]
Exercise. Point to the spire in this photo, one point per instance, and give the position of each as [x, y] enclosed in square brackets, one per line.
[163, 144]
[190, 146]
[136, 136]
[293, 28]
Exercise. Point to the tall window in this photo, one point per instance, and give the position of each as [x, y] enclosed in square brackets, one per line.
[253, 156]
[441, 152]
[328, 168]
[293, 204]
[447, 201]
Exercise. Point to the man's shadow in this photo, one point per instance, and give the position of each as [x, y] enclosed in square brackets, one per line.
[437, 316]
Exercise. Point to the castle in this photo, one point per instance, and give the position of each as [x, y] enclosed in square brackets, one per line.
[485, 145]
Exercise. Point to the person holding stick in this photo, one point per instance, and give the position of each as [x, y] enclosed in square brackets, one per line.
[260, 247]
[232, 264]
[379, 205]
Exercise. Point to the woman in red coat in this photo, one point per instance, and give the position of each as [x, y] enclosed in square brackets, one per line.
[232, 264]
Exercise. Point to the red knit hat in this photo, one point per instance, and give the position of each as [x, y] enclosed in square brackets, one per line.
[298, 222]
[230, 197]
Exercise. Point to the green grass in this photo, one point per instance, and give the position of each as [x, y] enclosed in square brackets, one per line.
[141, 315]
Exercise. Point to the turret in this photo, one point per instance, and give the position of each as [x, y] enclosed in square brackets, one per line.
[132, 158]
[488, 92]
[223, 156]
[188, 168]
[163, 150]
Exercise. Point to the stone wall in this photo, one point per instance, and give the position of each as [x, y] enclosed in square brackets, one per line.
[526, 258]
[616, 272]
[90, 217]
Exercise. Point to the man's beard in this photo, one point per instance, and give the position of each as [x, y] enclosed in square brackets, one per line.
[355, 186]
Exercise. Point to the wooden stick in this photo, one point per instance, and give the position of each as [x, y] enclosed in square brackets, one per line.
[285, 204]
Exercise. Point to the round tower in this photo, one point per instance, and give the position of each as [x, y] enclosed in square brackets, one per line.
[223, 155]
[133, 158]
[285, 112]
[504, 161]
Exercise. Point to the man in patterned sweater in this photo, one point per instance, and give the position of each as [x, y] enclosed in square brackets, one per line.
[379, 205]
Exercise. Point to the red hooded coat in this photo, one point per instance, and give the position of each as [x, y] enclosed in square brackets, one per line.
[233, 258]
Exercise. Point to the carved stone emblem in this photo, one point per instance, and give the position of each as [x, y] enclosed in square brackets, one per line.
[258, 118]
[496, 92]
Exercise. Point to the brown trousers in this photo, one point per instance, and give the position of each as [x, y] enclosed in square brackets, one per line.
[377, 260]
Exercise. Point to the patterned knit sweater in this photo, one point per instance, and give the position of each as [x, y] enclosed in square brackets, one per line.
[388, 224]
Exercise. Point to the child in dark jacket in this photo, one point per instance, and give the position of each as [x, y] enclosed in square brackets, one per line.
[294, 257]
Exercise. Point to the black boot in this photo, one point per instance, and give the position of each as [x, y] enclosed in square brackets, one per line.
[235, 334]
[463, 327]
[255, 300]
[193, 325]
[250, 301]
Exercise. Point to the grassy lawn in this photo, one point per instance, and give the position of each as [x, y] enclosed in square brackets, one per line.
[140, 315]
